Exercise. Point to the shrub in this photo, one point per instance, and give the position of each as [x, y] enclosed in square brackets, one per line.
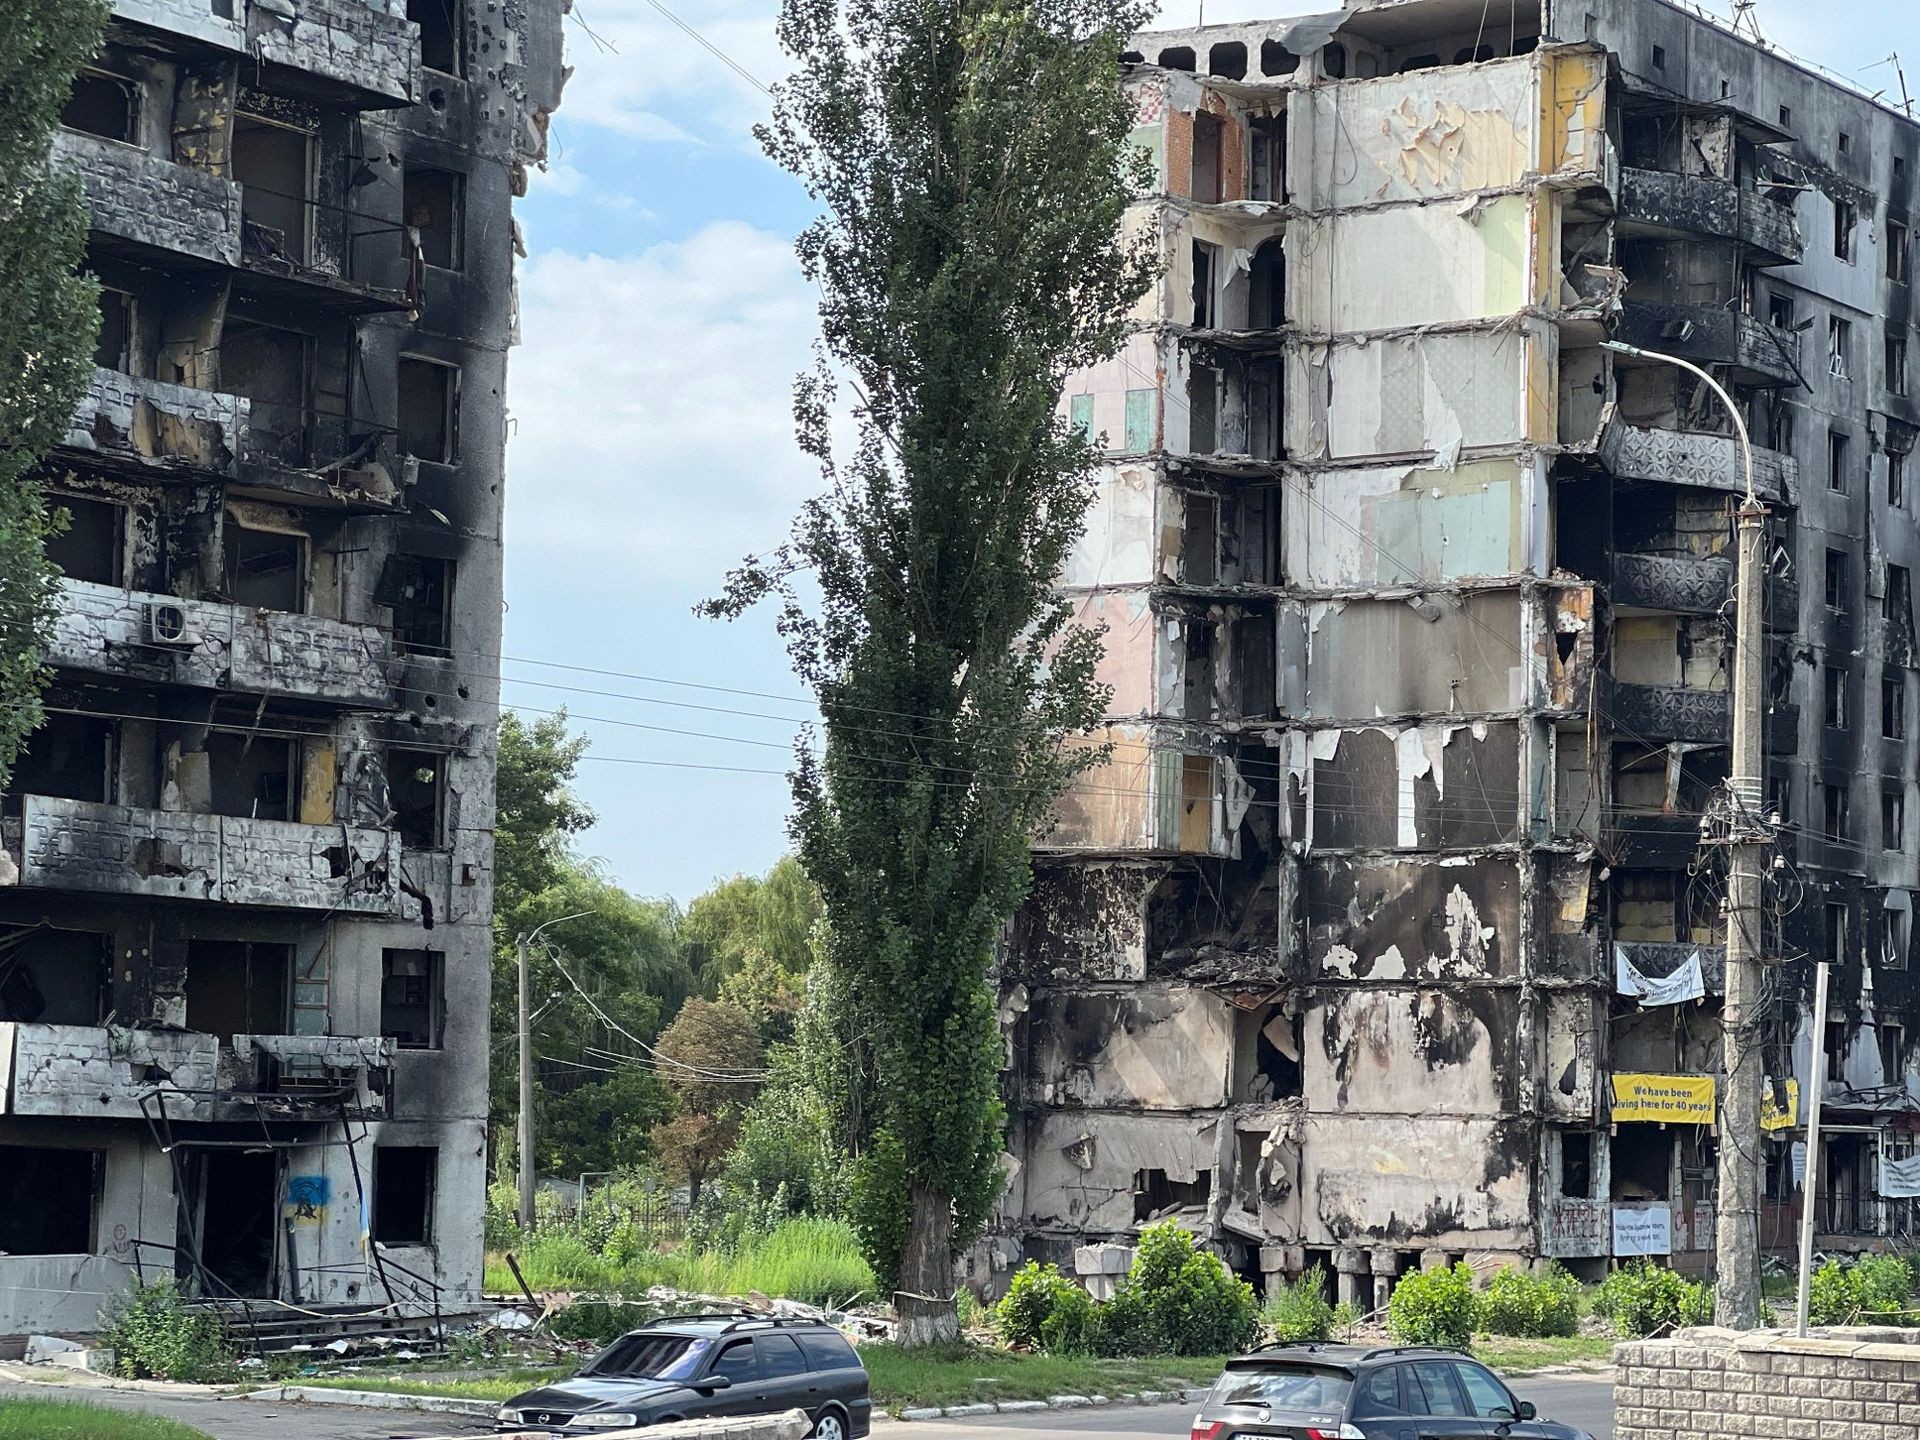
[1299, 1309]
[1881, 1286]
[1036, 1291]
[1647, 1299]
[1434, 1307]
[1532, 1307]
[1074, 1326]
[155, 1334]
[1182, 1300]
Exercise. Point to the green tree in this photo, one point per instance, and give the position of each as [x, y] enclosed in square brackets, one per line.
[749, 941]
[48, 321]
[710, 1058]
[972, 162]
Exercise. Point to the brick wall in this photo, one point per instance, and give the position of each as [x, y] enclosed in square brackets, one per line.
[1711, 1384]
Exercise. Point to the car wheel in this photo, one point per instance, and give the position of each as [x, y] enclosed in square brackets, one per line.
[830, 1426]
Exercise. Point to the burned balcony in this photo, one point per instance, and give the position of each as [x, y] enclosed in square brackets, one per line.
[1671, 712]
[1669, 585]
[164, 640]
[291, 1077]
[86, 846]
[146, 425]
[104, 1072]
[1758, 353]
[1668, 204]
[335, 52]
[147, 208]
[1681, 457]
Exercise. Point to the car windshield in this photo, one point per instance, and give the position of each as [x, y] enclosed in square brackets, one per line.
[655, 1357]
[1299, 1388]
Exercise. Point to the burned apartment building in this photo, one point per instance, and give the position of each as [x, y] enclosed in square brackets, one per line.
[246, 935]
[1391, 934]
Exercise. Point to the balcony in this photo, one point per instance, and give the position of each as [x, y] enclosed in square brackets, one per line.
[1664, 203]
[1672, 712]
[105, 1073]
[147, 208]
[1657, 959]
[1710, 462]
[1670, 586]
[84, 846]
[162, 640]
[1661, 842]
[1759, 353]
[341, 52]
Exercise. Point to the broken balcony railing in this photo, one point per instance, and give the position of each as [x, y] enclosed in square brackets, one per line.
[1662, 201]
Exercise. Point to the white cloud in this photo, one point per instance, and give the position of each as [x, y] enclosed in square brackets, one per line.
[653, 426]
[651, 81]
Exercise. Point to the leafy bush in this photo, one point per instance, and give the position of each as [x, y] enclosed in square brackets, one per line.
[1434, 1307]
[1830, 1297]
[1876, 1287]
[1180, 1300]
[1299, 1309]
[1036, 1292]
[1647, 1299]
[155, 1334]
[1532, 1307]
[1074, 1326]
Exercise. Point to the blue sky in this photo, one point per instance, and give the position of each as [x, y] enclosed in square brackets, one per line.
[650, 445]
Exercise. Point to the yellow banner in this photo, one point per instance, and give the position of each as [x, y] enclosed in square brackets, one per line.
[1772, 1117]
[1672, 1099]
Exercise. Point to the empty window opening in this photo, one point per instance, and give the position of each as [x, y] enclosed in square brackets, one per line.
[1893, 1047]
[1835, 1044]
[1155, 1195]
[230, 1218]
[429, 408]
[1576, 1164]
[1839, 580]
[432, 202]
[1834, 812]
[1267, 288]
[266, 569]
[1333, 61]
[1846, 143]
[1899, 258]
[273, 368]
[1642, 1163]
[1177, 57]
[1839, 347]
[104, 105]
[1839, 460]
[1228, 60]
[1266, 1055]
[1267, 172]
[1893, 707]
[1893, 820]
[441, 26]
[1204, 281]
[237, 987]
[70, 757]
[48, 1199]
[273, 164]
[1659, 57]
[1430, 61]
[403, 1186]
[1896, 363]
[1203, 410]
[1896, 932]
[253, 777]
[1276, 59]
[1846, 221]
[1200, 540]
[419, 591]
[54, 977]
[114, 349]
[1207, 131]
[1896, 479]
[1834, 679]
[412, 997]
[1786, 117]
[414, 794]
[91, 545]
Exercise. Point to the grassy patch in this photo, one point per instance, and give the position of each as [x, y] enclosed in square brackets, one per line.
[965, 1374]
[66, 1420]
[1512, 1356]
[456, 1385]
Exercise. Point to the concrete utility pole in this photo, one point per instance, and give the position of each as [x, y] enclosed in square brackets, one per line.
[1810, 1183]
[1736, 1240]
[525, 1140]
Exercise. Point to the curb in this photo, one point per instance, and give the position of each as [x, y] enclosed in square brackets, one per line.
[374, 1400]
[1057, 1402]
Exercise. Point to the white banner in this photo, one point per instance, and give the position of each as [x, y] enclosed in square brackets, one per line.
[1900, 1179]
[1689, 982]
[1643, 1232]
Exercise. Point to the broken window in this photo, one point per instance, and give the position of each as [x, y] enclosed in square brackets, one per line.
[1839, 444]
[231, 1213]
[1898, 256]
[70, 757]
[1154, 1194]
[1893, 820]
[54, 977]
[1839, 580]
[1206, 158]
[1846, 221]
[1200, 540]
[1896, 363]
[273, 164]
[273, 368]
[403, 1186]
[1893, 707]
[1080, 416]
[1896, 479]
[237, 987]
[1333, 60]
[253, 777]
[266, 569]
[414, 795]
[1834, 1042]
[91, 544]
[441, 31]
[1834, 679]
[1176, 57]
[1266, 1055]
[1642, 1163]
[1139, 422]
[419, 591]
[1267, 287]
[1896, 930]
[104, 105]
[48, 1199]
[1204, 296]
[1203, 409]
[1893, 1045]
[412, 1003]
[1839, 347]
[1228, 60]
[429, 409]
[1834, 811]
[432, 203]
[1196, 701]
[1276, 59]
[1268, 172]
[112, 351]
[1576, 1164]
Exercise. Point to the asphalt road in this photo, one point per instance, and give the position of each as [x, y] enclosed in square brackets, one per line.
[1586, 1401]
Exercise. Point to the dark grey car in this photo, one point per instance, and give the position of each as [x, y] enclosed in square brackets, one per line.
[1316, 1391]
[699, 1367]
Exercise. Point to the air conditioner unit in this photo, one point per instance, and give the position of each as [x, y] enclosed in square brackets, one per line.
[167, 625]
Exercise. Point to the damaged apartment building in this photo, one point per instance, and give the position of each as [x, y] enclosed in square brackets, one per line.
[245, 925]
[1390, 935]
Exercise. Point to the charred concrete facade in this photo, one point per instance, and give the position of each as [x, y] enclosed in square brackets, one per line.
[1418, 618]
[245, 929]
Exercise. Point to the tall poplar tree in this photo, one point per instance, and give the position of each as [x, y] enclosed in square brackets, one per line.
[972, 164]
[49, 315]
